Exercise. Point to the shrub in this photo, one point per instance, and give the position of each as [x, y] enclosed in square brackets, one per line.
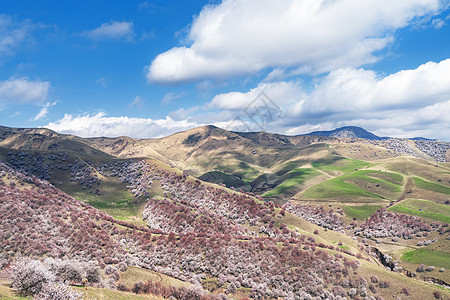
[405, 291]
[57, 291]
[110, 269]
[231, 289]
[384, 284]
[115, 276]
[3, 261]
[93, 274]
[69, 271]
[352, 293]
[137, 287]
[122, 287]
[437, 295]
[122, 267]
[29, 276]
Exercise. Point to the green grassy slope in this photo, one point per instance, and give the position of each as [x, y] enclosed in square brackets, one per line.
[431, 186]
[360, 212]
[291, 180]
[428, 257]
[363, 183]
[424, 209]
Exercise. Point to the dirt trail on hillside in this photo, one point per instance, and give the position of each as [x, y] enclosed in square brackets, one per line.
[408, 188]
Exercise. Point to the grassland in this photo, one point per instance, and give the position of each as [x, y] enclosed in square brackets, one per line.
[361, 183]
[428, 257]
[228, 180]
[418, 289]
[232, 166]
[98, 293]
[339, 163]
[336, 188]
[423, 170]
[292, 179]
[391, 177]
[424, 209]
[114, 200]
[134, 274]
[289, 166]
[360, 212]
[8, 293]
[431, 186]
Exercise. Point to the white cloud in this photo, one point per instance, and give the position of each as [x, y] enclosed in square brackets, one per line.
[101, 125]
[146, 5]
[405, 104]
[417, 101]
[112, 30]
[14, 115]
[23, 90]
[13, 34]
[102, 81]
[171, 96]
[240, 37]
[137, 102]
[281, 93]
[349, 91]
[182, 113]
[276, 74]
[44, 111]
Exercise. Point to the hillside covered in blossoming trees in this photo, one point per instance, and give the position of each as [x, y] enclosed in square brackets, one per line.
[77, 213]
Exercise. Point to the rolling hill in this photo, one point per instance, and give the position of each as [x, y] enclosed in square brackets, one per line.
[208, 207]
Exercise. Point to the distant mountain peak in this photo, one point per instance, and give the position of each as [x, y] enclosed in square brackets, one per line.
[348, 132]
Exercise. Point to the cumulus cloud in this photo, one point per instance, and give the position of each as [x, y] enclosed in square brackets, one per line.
[408, 103]
[240, 37]
[410, 99]
[349, 91]
[23, 91]
[280, 93]
[112, 30]
[101, 125]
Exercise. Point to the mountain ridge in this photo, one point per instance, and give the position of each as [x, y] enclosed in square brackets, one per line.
[348, 132]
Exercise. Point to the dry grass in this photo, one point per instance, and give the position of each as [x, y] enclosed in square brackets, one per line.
[105, 294]
[8, 293]
[135, 274]
[417, 287]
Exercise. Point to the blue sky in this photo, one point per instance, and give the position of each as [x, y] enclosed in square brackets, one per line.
[151, 68]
